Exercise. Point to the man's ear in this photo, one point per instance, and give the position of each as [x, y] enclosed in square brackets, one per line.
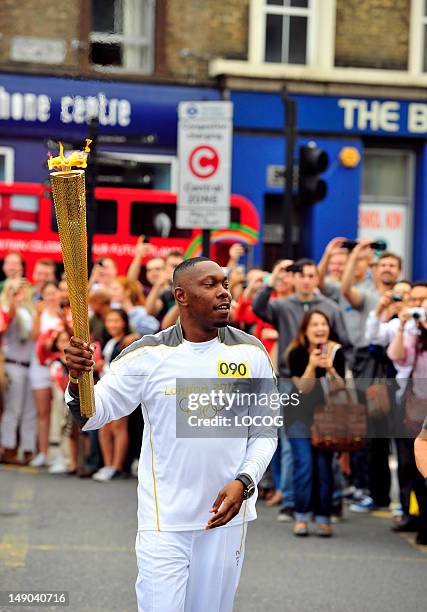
[181, 296]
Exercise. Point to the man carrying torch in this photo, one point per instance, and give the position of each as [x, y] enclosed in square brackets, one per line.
[195, 495]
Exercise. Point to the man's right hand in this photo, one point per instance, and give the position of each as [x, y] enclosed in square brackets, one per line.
[79, 356]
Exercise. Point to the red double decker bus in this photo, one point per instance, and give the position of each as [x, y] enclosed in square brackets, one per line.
[28, 224]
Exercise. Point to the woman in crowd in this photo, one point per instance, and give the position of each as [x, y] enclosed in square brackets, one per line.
[19, 409]
[316, 365]
[128, 294]
[113, 438]
[49, 315]
[409, 349]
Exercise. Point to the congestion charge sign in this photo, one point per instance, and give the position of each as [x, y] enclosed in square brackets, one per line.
[204, 155]
[204, 161]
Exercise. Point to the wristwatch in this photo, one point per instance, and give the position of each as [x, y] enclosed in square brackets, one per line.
[248, 483]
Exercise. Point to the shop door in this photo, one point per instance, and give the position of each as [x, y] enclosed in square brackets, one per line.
[386, 208]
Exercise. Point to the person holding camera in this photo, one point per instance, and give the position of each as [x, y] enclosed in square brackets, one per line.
[410, 349]
[285, 314]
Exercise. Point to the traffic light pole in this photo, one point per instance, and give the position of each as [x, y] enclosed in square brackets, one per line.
[288, 215]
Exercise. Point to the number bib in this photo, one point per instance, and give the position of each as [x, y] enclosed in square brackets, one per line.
[227, 369]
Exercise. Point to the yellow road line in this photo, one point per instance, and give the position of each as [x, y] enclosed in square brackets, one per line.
[14, 544]
[10, 547]
[24, 469]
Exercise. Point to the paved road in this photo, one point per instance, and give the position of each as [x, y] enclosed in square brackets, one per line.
[62, 533]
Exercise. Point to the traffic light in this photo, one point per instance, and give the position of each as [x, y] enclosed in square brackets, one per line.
[312, 162]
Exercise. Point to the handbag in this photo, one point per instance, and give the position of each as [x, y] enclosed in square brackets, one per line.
[339, 424]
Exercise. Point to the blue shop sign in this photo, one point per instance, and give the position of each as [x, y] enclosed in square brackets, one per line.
[58, 107]
[333, 114]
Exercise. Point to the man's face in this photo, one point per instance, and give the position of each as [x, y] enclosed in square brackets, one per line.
[417, 296]
[206, 296]
[43, 274]
[337, 264]
[12, 266]
[107, 272]
[255, 277]
[173, 261]
[388, 270]
[154, 268]
[306, 282]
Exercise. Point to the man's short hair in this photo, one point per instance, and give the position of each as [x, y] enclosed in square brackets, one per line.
[389, 254]
[422, 283]
[300, 264]
[186, 265]
[45, 262]
[175, 253]
[17, 254]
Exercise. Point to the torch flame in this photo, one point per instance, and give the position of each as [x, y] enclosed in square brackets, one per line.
[76, 159]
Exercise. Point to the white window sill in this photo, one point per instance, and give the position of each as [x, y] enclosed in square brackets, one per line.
[241, 68]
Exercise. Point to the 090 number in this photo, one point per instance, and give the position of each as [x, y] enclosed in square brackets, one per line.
[238, 370]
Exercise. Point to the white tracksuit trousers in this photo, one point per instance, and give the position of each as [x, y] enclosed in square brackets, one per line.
[19, 410]
[189, 571]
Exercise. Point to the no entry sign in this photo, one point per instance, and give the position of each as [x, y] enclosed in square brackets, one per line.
[204, 155]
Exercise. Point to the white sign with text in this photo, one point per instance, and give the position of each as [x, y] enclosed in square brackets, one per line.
[204, 156]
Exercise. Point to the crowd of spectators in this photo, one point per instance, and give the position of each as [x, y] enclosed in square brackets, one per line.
[351, 317]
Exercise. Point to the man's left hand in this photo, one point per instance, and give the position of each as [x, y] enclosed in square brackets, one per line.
[227, 504]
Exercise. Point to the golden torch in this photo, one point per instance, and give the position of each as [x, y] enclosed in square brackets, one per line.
[68, 187]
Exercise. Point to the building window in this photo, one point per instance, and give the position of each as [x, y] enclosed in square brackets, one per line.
[6, 164]
[287, 31]
[122, 35]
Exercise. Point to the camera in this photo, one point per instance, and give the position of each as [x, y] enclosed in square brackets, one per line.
[419, 314]
[379, 245]
[349, 244]
[294, 268]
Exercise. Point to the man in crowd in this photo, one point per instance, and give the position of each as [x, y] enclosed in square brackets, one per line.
[371, 468]
[160, 299]
[44, 272]
[285, 314]
[104, 273]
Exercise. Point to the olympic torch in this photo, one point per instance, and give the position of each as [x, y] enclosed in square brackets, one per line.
[68, 187]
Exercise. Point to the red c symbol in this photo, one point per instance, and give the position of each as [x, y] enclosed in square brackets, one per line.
[203, 161]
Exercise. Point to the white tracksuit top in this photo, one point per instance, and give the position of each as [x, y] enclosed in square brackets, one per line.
[179, 478]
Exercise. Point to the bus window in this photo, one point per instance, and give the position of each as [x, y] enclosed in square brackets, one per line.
[234, 214]
[106, 217]
[19, 213]
[153, 219]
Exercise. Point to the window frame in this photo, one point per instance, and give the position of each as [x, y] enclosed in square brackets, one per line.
[9, 164]
[290, 11]
[320, 35]
[130, 41]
